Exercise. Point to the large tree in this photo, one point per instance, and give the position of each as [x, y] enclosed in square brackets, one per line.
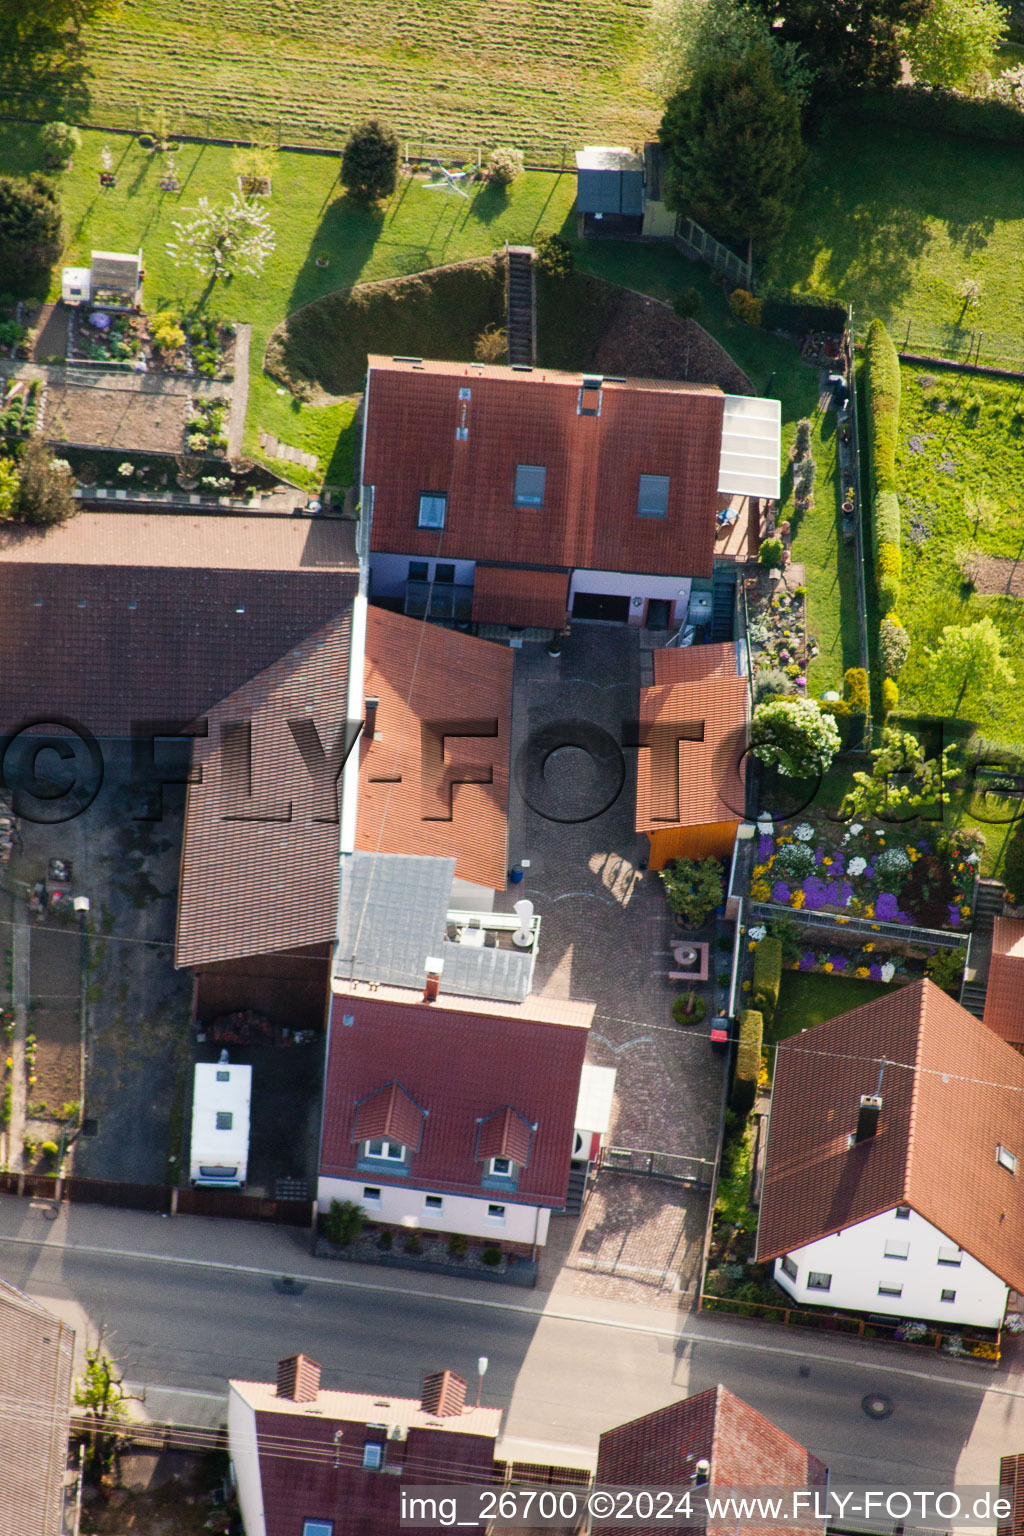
[41, 18]
[848, 43]
[45, 485]
[734, 148]
[967, 665]
[369, 162]
[690, 34]
[31, 229]
[955, 44]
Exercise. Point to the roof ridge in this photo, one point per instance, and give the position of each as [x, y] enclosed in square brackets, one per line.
[926, 988]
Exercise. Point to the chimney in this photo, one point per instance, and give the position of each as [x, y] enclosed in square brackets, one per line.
[298, 1378]
[370, 717]
[444, 1394]
[867, 1117]
[432, 984]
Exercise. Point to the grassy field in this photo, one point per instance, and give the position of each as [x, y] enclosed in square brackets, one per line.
[806, 999]
[895, 223]
[545, 75]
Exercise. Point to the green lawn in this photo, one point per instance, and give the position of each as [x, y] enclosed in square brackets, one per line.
[545, 76]
[893, 220]
[807, 998]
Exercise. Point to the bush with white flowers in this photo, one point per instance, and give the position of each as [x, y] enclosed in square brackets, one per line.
[804, 832]
[892, 867]
[758, 932]
[888, 970]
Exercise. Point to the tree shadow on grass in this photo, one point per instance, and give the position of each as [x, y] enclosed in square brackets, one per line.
[489, 203]
[345, 239]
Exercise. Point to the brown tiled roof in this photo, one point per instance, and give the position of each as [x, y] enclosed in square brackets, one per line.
[390, 1112]
[742, 1446]
[504, 594]
[459, 1064]
[593, 462]
[506, 1133]
[952, 1092]
[422, 673]
[1011, 1475]
[1004, 997]
[252, 886]
[700, 778]
[36, 1355]
[119, 617]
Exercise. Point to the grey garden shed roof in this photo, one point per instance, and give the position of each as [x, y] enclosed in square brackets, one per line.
[609, 179]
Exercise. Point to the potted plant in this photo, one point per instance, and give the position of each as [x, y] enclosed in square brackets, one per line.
[688, 1008]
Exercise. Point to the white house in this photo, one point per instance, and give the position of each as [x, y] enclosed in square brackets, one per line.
[894, 1173]
[221, 1097]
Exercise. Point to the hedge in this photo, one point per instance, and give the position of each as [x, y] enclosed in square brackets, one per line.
[856, 690]
[767, 976]
[893, 646]
[933, 110]
[888, 592]
[782, 313]
[883, 396]
[886, 526]
[748, 1060]
[890, 695]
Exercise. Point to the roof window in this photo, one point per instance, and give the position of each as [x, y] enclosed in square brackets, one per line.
[652, 500]
[433, 505]
[530, 480]
[1006, 1159]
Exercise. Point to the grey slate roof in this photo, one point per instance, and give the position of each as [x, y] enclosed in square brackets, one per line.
[392, 916]
[609, 180]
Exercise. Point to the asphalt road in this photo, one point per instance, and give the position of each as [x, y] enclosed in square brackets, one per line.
[183, 1327]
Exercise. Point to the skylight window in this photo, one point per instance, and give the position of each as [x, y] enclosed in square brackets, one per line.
[653, 498]
[433, 505]
[1006, 1159]
[530, 480]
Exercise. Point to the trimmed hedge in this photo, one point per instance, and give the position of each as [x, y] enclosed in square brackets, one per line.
[889, 560]
[886, 521]
[934, 110]
[767, 976]
[890, 695]
[856, 690]
[883, 393]
[782, 313]
[888, 592]
[748, 1060]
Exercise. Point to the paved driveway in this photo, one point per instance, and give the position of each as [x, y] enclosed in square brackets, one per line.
[604, 938]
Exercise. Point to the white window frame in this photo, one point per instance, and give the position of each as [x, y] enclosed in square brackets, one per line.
[494, 1172]
[496, 1213]
[391, 1151]
[951, 1258]
[895, 1249]
[817, 1275]
[373, 1455]
[371, 1194]
[1006, 1159]
[433, 1203]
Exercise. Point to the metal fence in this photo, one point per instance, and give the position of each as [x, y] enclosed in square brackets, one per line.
[659, 1165]
[935, 938]
[692, 240]
[229, 1203]
[965, 344]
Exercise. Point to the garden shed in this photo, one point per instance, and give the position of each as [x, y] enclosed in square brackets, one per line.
[609, 191]
[113, 279]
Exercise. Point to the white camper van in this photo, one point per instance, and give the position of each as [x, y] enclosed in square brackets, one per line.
[220, 1124]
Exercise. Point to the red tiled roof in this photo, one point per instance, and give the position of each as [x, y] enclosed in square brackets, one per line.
[1004, 997]
[698, 779]
[505, 594]
[951, 1091]
[389, 1112]
[593, 463]
[506, 1133]
[460, 1065]
[249, 887]
[742, 1446]
[1011, 1475]
[118, 617]
[423, 673]
[36, 1357]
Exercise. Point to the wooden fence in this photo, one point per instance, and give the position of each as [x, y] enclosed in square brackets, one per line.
[229, 1203]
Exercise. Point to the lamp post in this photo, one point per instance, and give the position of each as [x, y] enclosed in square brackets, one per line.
[481, 1372]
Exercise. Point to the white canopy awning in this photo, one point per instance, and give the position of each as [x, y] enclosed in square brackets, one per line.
[751, 447]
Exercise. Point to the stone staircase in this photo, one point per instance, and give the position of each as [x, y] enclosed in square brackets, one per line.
[989, 906]
[521, 307]
[577, 1191]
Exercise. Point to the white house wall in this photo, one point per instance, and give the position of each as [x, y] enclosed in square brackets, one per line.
[856, 1260]
[624, 584]
[245, 1459]
[405, 1205]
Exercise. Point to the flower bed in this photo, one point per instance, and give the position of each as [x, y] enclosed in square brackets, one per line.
[778, 632]
[868, 871]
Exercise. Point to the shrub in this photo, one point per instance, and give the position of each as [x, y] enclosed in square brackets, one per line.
[946, 969]
[794, 861]
[888, 593]
[804, 476]
[770, 553]
[504, 164]
[892, 868]
[385, 1240]
[491, 1257]
[890, 695]
[31, 227]
[802, 445]
[893, 646]
[795, 735]
[344, 1222]
[889, 561]
[688, 304]
[689, 1009]
[49, 1150]
[491, 346]
[769, 683]
[553, 255]
[44, 487]
[59, 141]
[788, 934]
[746, 306]
[693, 889]
[369, 161]
[885, 525]
[413, 1245]
[165, 329]
[856, 691]
[883, 395]
[748, 1059]
[767, 978]
[458, 1244]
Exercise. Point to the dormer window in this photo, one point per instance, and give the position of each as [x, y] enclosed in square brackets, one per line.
[387, 1151]
[652, 499]
[501, 1167]
[433, 505]
[530, 481]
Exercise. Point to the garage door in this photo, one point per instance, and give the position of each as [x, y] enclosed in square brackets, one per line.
[600, 605]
